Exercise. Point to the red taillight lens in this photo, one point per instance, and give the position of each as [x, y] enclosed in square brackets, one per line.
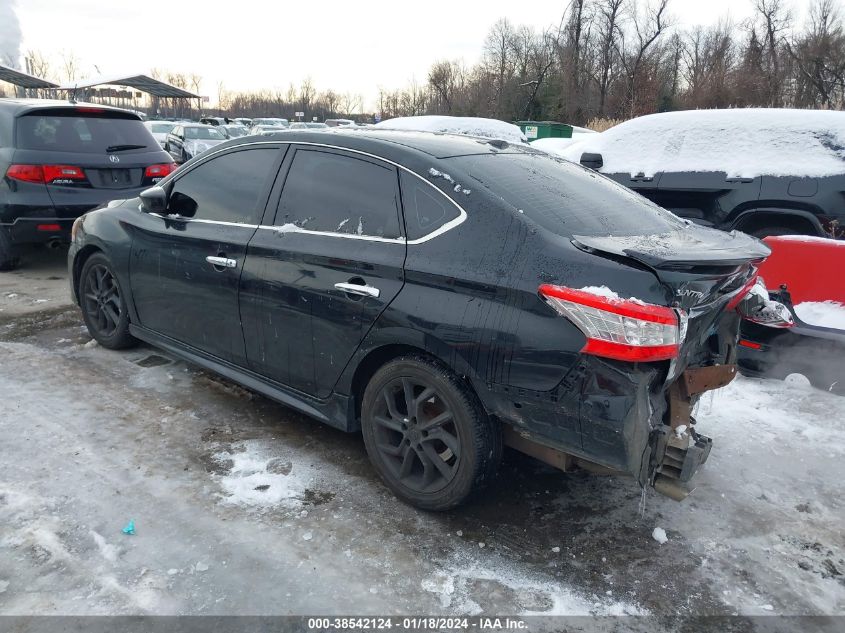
[48, 228]
[618, 328]
[750, 344]
[26, 173]
[59, 174]
[48, 174]
[159, 171]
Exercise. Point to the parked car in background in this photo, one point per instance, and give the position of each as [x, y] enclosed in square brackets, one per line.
[243, 121]
[160, 130]
[444, 295]
[191, 139]
[307, 125]
[258, 130]
[214, 120]
[275, 122]
[233, 131]
[340, 122]
[804, 274]
[762, 171]
[59, 160]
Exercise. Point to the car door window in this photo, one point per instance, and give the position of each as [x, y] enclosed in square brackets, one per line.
[226, 188]
[336, 193]
[426, 209]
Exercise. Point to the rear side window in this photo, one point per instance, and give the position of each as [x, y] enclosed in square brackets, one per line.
[564, 198]
[339, 194]
[71, 131]
[226, 188]
[426, 209]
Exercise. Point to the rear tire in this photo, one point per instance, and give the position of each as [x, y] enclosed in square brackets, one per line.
[103, 304]
[9, 259]
[427, 434]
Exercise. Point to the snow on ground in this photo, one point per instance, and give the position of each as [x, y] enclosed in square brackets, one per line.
[741, 142]
[822, 313]
[242, 506]
[472, 126]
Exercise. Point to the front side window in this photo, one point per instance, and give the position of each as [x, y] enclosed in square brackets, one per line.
[336, 193]
[226, 188]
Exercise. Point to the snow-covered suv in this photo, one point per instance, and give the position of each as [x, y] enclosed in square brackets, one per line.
[762, 171]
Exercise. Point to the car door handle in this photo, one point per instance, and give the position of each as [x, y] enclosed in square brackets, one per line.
[356, 289]
[222, 262]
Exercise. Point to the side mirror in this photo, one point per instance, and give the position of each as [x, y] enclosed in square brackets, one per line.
[592, 161]
[182, 205]
[154, 200]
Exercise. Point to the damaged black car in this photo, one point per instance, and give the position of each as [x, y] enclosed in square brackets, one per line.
[443, 295]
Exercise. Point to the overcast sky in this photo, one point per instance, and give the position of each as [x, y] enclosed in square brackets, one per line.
[252, 44]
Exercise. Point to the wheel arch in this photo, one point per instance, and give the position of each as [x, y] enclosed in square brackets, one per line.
[78, 263]
[759, 217]
[393, 345]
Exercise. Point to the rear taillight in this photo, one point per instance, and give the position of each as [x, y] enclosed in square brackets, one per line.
[618, 328]
[26, 173]
[159, 171]
[46, 174]
[62, 174]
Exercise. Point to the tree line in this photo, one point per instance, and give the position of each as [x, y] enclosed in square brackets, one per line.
[604, 60]
[616, 59]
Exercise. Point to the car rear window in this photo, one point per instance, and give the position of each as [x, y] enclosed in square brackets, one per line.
[73, 131]
[565, 198]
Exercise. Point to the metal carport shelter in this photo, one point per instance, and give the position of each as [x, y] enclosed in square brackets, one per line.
[23, 80]
[144, 83]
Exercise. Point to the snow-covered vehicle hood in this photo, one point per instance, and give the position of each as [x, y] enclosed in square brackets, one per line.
[743, 143]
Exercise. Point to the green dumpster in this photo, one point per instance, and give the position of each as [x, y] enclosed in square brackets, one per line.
[544, 129]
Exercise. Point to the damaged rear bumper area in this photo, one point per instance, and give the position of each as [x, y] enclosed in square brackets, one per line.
[629, 422]
[678, 450]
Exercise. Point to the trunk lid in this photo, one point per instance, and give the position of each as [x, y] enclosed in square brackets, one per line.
[699, 267]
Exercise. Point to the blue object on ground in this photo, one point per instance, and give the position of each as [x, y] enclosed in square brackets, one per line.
[130, 528]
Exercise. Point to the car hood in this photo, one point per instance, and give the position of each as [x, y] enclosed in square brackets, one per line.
[691, 245]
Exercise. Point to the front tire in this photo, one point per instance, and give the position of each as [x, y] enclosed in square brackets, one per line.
[427, 434]
[103, 304]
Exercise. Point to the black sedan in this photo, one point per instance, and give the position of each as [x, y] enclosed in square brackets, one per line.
[188, 140]
[443, 295]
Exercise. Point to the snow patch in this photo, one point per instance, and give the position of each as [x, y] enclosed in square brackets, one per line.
[464, 125]
[249, 482]
[822, 313]
[659, 535]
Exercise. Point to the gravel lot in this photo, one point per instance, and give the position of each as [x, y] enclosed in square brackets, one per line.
[242, 506]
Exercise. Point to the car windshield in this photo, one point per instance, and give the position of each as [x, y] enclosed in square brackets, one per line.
[565, 198]
[236, 131]
[70, 131]
[162, 128]
[204, 133]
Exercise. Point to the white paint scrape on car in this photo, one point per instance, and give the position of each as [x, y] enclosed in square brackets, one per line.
[468, 125]
[744, 143]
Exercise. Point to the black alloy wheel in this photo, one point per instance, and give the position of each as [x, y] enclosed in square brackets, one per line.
[103, 306]
[427, 434]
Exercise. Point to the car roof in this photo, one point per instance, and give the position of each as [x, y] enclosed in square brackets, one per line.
[392, 145]
[17, 106]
